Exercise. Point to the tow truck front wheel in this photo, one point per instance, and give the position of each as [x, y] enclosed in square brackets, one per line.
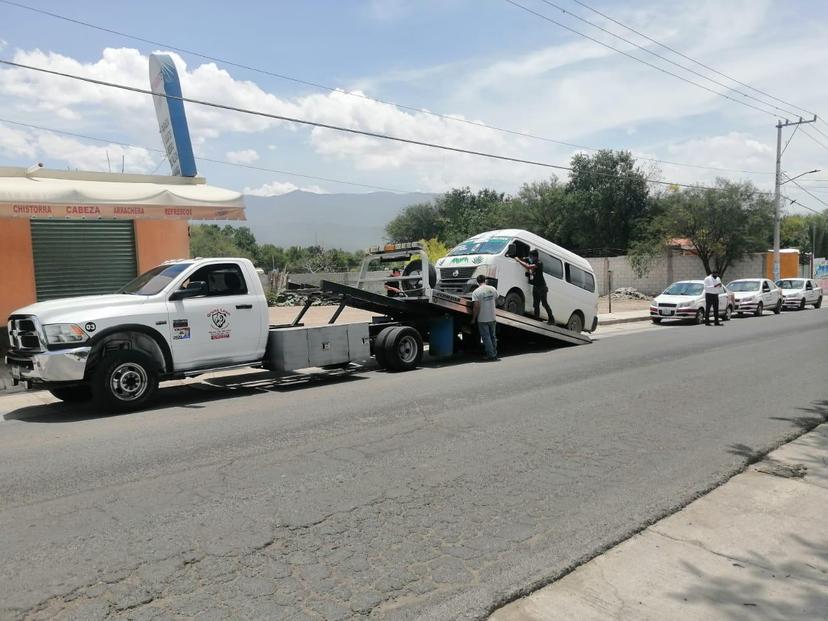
[125, 380]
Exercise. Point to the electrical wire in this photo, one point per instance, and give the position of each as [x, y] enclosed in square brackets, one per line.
[808, 192]
[664, 58]
[205, 159]
[701, 64]
[635, 58]
[814, 139]
[332, 89]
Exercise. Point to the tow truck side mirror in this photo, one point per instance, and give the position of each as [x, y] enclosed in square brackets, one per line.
[192, 290]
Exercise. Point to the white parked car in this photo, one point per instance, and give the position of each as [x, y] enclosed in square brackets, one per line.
[685, 300]
[799, 292]
[755, 295]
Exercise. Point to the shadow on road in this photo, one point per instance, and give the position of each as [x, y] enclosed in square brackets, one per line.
[748, 597]
[194, 396]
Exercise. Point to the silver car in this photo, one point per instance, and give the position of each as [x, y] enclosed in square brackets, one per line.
[799, 292]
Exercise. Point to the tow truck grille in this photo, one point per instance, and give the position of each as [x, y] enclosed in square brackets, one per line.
[24, 334]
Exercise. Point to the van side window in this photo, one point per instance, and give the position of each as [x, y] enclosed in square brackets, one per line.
[580, 278]
[551, 265]
[221, 279]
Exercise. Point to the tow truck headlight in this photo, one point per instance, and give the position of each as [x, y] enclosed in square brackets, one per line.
[62, 333]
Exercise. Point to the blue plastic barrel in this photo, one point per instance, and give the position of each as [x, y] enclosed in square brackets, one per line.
[441, 337]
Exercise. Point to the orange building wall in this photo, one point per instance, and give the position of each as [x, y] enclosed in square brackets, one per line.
[788, 265]
[157, 241]
[17, 278]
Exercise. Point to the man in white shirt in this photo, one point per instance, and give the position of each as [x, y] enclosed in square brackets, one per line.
[483, 312]
[712, 289]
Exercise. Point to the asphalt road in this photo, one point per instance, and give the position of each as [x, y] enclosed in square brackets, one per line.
[434, 494]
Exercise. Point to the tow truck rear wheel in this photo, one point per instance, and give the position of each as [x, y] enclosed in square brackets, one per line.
[72, 394]
[403, 349]
[125, 380]
[379, 346]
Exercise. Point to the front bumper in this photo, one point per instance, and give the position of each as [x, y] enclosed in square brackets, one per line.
[792, 302]
[745, 307]
[65, 365]
[673, 313]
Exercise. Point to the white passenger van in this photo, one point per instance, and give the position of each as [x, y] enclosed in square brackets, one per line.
[570, 279]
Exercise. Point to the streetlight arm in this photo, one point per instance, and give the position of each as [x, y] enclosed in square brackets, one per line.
[816, 170]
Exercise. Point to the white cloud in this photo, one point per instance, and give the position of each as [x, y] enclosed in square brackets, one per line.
[276, 188]
[245, 156]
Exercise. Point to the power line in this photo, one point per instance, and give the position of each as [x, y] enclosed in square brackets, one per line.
[701, 64]
[793, 202]
[808, 192]
[814, 139]
[664, 58]
[635, 58]
[204, 159]
[332, 89]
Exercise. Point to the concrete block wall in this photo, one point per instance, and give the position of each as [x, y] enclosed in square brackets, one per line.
[665, 270]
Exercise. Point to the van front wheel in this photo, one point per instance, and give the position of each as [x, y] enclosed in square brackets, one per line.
[514, 303]
[575, 323]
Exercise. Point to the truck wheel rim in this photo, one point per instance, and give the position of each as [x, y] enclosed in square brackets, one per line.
[128, 381]
[407, 349]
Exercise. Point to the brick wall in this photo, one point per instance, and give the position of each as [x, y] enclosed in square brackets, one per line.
[665, 270]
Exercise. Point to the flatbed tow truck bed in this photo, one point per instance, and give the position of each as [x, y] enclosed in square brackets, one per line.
[422, 308]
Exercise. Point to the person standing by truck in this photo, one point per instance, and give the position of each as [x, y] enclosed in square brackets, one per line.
[483, 313]
[539, 289]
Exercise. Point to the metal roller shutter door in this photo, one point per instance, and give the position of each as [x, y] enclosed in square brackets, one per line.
[82, 257]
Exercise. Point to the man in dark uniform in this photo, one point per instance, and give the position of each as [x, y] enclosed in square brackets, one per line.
[392, 287]
[539, 290]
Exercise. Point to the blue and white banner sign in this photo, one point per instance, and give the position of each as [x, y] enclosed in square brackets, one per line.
[172, 121]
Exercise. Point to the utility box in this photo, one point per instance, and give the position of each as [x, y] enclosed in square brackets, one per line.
[289, 349]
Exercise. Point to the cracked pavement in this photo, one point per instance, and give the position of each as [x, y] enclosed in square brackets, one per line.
[436, 494]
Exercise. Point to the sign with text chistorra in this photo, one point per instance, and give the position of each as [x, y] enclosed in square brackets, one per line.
[172, 120]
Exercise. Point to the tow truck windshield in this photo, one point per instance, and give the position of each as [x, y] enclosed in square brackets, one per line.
[493, 245]
[154, 281]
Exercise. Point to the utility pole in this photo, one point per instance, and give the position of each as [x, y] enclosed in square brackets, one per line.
[777, 195]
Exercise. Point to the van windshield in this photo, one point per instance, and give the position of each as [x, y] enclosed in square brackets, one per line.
[492, 245]
[154, 281]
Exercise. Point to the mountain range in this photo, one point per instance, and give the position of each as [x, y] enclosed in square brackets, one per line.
[347, 221]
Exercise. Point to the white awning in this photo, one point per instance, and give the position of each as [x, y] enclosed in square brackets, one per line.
[65, 194]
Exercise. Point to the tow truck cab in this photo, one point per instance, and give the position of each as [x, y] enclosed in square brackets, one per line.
[180, 318]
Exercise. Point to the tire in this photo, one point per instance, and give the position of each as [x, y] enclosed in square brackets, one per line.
[818, 303]
[778, 308]
[72, 394]
[125, 380]
[403, 349]
[760, 308]
[415, 268]
[728, 315]
[379, 346]
[514, 303]
[802, 304]
[699, 319]
[575, 323]
[656, 319]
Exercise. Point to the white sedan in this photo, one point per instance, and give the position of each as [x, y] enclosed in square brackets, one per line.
[799, 292]
[755, 295]
[685, 300]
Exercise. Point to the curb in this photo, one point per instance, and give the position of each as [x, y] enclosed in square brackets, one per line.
[612, 322]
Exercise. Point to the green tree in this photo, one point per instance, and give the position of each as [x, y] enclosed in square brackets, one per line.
[418, 221]
[541, 207]
[722, 223]
[608, 202]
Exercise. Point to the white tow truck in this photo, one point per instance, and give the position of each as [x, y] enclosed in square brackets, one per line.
[193, 316]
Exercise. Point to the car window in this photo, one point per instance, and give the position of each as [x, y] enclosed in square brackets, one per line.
[551, 265]
[765, 286]
[743, 285]
[809, 286]
[154, 281]
[222, 279]
[684, 288]
[580, 278]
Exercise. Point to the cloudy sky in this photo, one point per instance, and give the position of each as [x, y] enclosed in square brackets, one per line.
[485, 61]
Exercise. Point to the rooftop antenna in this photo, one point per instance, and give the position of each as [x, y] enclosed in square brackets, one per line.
[108, 163]
[123, 162]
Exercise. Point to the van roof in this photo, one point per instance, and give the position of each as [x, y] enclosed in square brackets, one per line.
[536, 241]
